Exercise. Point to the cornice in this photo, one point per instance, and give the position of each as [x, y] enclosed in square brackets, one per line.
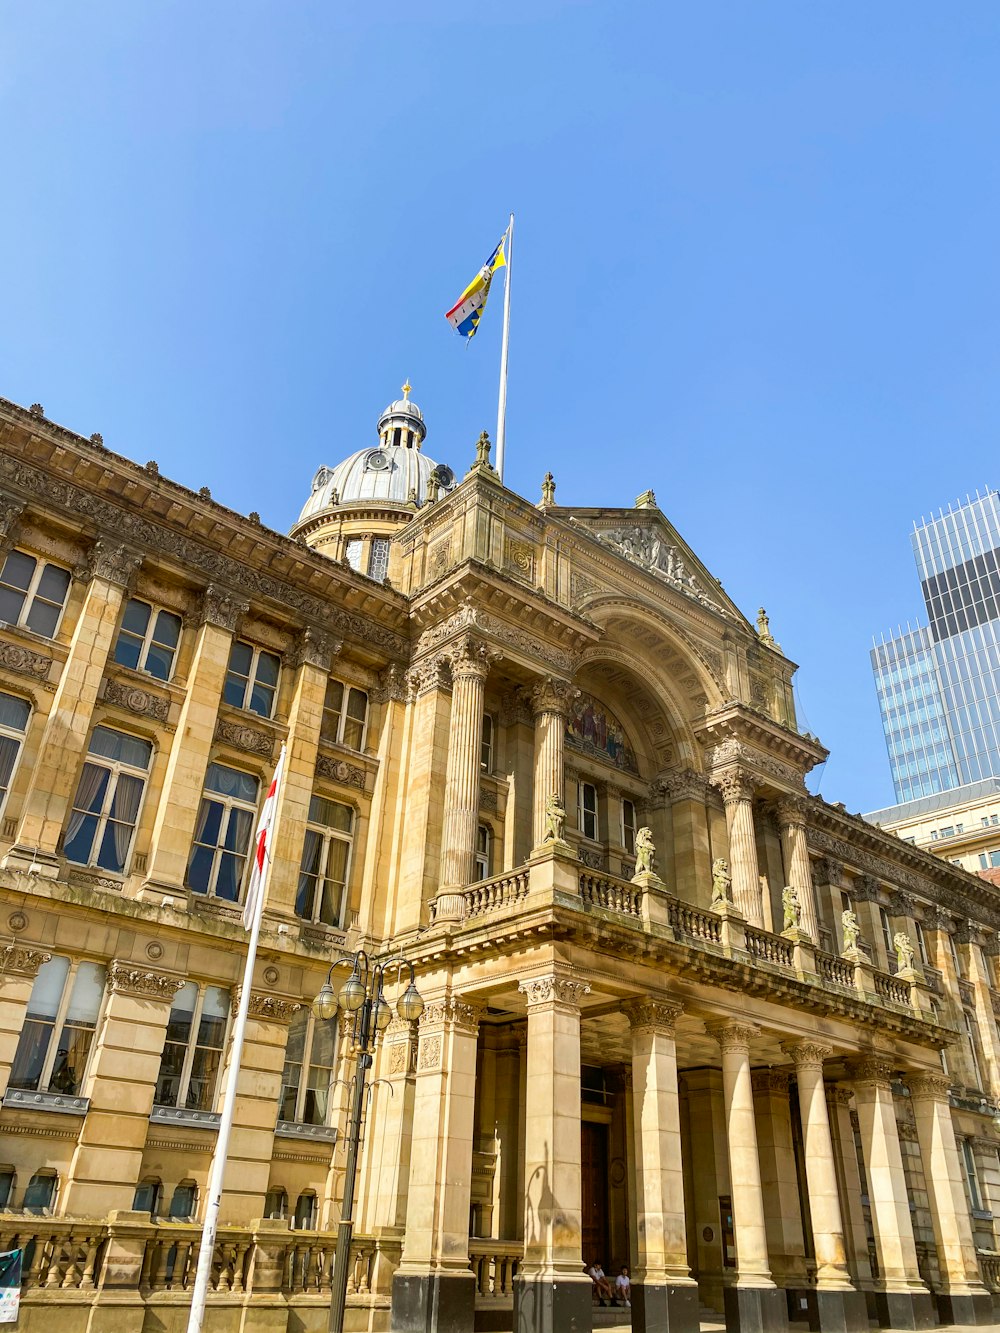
[736, 722]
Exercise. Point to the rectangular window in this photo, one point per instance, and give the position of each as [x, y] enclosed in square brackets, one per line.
[481, 863]
[918, 930]
[378, 559]
[14, 714]
[345, 715]
[252, 679]
[106, 806]
[32, 593]
[890, 952]
[222, 836]
[352, 553]
[54, 1046]
[971, 1176]
[628, 826]
[147, 640]
[310, 1056]
[192, 1053]
[972, 1032]
[587, 810]
[326, 861]
[486, 744]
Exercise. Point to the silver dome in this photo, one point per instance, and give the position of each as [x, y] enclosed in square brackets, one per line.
[386, 473]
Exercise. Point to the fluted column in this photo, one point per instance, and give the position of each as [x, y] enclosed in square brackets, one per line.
[962, 1298]
[737, 787]
[902, 1299]
[550, 703]
[791, 813]
[664, 1296]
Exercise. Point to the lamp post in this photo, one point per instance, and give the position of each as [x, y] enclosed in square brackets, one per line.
[363, 1000]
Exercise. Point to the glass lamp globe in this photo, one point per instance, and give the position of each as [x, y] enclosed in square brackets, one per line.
[325, 1003]
[352, 997]
[410, 1004]
[383, 1015]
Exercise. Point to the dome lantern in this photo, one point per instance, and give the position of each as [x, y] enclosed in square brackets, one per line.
[401, 425]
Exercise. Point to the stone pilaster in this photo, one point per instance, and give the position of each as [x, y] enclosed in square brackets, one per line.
[552, 1290]
[386, 1168]
[779, 1177]
[737, 787]
[791, 812]
[687, 791]
[550, 703]
[664, 1296]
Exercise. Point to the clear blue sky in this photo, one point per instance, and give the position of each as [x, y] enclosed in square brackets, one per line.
[756, 267]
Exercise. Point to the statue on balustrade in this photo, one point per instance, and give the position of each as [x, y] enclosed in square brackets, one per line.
[791, 905]
[555, 819]
[903, 945]
[722, 882]
[851, 930]
[644, 851]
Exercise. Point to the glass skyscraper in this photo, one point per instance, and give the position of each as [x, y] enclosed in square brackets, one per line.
[939, 685]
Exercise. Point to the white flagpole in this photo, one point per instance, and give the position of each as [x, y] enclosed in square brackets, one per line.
[502, 404]
[206, 1252]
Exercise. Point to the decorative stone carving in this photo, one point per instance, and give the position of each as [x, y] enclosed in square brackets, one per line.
[23, 661]
[430, 1053]
[966, 933]
[16, 922]
[242, 737]
[644, 851]
[872, 1071]
[555, 819]
[683, 785]
[453, 1012]
[515, 709]
[732, 751]
[554, 990]
[934, 919]
[899, 903]
[828, 871]
[932, 1087]
[519, 558]
[21, 960]
[127, 979]
[866, 888]
[488, 800]
[591, 859]
[767, 1081]
[548, 490]
[222, 609]
[269, 1008]
[391, 684]
[657, 1015]
[115, 564]
[807, 1054]
[10, 511]
[551, 695]
[154, 951]
[581, 586]
[339, 770]
[838, 1096]
[791, 907]
[471, 657]
[733, 1034]
[722, 882]
[432, 673]
[141, 702]
[736, 784]
[852, 930]
[791, 811]
[645, 547]
[314, 647]
[903, 945]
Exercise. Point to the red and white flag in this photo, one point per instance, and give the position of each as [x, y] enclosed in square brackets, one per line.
[262, 847]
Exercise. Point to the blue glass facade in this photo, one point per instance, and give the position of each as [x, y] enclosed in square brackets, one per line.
[939, 686]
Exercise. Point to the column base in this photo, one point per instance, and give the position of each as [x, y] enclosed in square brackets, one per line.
[905, 1309]
[667, 1309]
[970, 1309]
[829, 1311]
[433, 1303]
[552, 1305]
[755, 1310]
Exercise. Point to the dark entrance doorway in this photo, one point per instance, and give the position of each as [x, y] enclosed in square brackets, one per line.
[594, 1193]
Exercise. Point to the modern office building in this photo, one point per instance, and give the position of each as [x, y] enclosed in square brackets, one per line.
[679, 1014]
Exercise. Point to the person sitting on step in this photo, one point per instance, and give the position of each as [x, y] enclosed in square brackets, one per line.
[602, 1287]
[623, 1287]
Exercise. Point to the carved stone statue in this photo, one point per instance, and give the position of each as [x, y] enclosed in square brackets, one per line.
[791, 905]
[555, 819]
[851, 930]
[644, 850]
[722, 882]
[483, 448]
[548, 489]
[904, 950]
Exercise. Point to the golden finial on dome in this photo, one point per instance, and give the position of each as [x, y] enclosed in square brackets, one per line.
[406, 391]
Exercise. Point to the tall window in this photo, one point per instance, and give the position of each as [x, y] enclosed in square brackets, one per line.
[628, 826]
[972, 1032]
[192, 1053]
[587, 810]
[345, 715]
[276, 1203]
[486, 744]
[352, 552]
[147, 640]
[326, 861]
[40, 1196]
[148, 1196]
[14, 714]
[32, 593]
[956, 955]
[971, 1175]
[378, 558]
[252, 678]
[106, 806]
[58, 1032]
[7, 1178]
[481, 864]
[305, 1211]
[308, 1074]
[890, 952]
[918, 930]
[222, 837]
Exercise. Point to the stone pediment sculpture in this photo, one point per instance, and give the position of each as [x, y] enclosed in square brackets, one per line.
[649, 548]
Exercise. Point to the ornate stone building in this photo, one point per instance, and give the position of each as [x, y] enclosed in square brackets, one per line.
[680, 1015]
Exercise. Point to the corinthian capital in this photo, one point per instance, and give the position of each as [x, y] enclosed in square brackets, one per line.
[734, 1034]
[113, 563]
[873, 1071]
[928, 1087]
[683, 785]
[791, 810]
[451, 1012]
[20, 960]
[554, 990]
[552, 695]
[659, 1015]
[220, 608]
[736, 784]
[471, 658]
[807, 1054]
[314, 647]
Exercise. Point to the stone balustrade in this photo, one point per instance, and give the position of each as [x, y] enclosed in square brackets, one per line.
[835, 970]
[768, 948]
[891, 989]
[496, 894]
[495, 1264]
[695, 923]
[611, 894]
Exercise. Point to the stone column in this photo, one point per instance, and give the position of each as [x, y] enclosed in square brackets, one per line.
[839, 1306]
[552, 1293]
[901, 1297]
[961, 1298]
[19, 964]
[187, 763]
[470, 665]
[845, 1156]
[754, 1302]
[692, 868]
[56, 769]
[121, 1084]
[434, 1290]
[779, 1179]
[664, 1296]
[550, 702]
[791, 812]
[507, 1200]
[737, 787]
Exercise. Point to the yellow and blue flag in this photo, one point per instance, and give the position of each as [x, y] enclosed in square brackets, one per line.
[466, 312]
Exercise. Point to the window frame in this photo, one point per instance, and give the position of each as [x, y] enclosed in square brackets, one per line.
[971, 1173]
[327, 835]
[46, 1209]
[229, 804]
[306, 1065]
[192, 1047]
[117, 768]
[343, 716]
[19, 737]
[378, 554]
[487, 743]
[628, 831]
[29, 593]
[973, 1034]
[483, 856]
[250, 681]
[155, 611]
[582, 811]
[58, 1023]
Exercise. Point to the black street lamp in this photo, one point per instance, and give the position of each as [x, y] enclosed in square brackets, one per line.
[364, 1002]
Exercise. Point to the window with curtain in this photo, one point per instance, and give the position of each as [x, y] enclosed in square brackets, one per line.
[218, 859]
[148, 639]
[345, 715]
[587, 810]
[252, 678]
[32, 593]
[481, 861]
[192, 1052]
[307, 1078]
[486, 744]
[326, 863]
[14, 714]
[58, 1031]
[106, 806]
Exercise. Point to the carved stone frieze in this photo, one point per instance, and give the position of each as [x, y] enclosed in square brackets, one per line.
[646, 547]
[20, 960]
[144, 703]
[807, 1054]
[657, 1015]
[268, 1008]
[554, 990]
[243, 737]
[339, 770]
[126, 979]
[528, 643]
[929, 1087]
[581, 586]
[552, 695]
[733, 751]
[451, 1012]
[734, 1034]
[314, 647]
[23, 661]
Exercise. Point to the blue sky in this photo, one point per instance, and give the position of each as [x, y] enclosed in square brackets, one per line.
[755, 267]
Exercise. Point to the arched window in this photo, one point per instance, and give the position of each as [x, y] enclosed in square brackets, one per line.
[40, 1196]
[276, 1204]
[184, 1203]
[305, 1211]
[148, 1196]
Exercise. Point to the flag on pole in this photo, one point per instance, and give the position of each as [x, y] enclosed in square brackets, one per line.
[262, 847]
[10, 1285]
[467, 311]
